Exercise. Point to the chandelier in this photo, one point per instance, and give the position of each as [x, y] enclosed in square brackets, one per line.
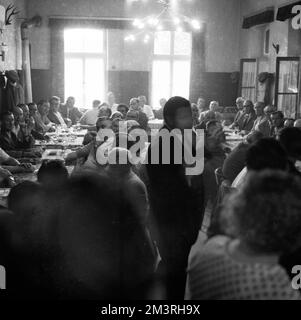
[166, 19]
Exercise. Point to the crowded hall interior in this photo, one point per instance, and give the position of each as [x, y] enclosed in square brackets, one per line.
[150, 149]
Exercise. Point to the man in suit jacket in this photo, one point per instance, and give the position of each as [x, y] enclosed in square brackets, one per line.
[249, 117]
[239, 117]
[54, 114]
[261, 123]
[69, 111]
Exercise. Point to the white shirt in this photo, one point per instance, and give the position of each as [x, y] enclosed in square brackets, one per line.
[3, 156]
[114, 107]
[149, 112]
[60, 118]
[90, 117]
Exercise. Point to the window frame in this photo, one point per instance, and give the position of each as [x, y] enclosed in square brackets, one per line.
[172, 57]
[277, 93]
[88, 55]
[255, 87]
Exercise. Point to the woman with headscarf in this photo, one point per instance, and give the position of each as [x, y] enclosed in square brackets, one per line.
[176, 200]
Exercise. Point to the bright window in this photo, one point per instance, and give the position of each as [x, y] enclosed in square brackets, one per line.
[171, 65]
[84, 65]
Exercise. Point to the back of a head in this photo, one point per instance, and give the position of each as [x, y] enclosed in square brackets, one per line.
[52, 173]
[96, 103]
[266, 153]
[297, 123]
[265, 212]
[171, 107]
[20, 196]
[103, 255]
[290, 138]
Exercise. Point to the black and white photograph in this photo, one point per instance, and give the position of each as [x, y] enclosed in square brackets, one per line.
[150, 151]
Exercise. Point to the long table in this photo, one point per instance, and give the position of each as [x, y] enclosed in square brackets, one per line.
[63, 138]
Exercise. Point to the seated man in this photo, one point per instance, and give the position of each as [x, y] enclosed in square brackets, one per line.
[159, 112]
[212, 113]
[20, 128]
[195, 115]
[266, 153]
[146, 108]
[54, 115]
[90, 117]
[277, 119]
[236, 160]
[29, 122]
[249, 117]
[14, 146]
[238, 120]
[43, 124]
[13, 165]
[88, 152]
[123, 109]
[140, 116]
[261, 123]
[70, 112]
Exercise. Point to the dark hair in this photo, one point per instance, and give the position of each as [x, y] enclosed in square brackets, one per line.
[290, 138]
[31, 104]
[99, 122]
[107, 109]
[280, 113]
[266, 153]
[52, 172]
[171, 107]
[123, 106]
[211, 123]
[54, 98]
[41, 102]
[265, 212]
[96, 102]
[5, 114]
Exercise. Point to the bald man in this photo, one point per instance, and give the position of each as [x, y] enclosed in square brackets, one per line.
[297, 123]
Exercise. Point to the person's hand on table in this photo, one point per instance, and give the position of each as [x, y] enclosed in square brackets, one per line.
[4, 173]
[243, 132]
[27, 167]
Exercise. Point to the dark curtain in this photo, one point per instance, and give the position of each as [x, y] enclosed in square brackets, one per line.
[198, 64]
[57, 61]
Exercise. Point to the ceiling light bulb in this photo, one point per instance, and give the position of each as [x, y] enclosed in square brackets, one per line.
[141, 25]
[136, 22]
[195, 24]
[176, 21]
[159, 27]
[153, 21]
[179, 29]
